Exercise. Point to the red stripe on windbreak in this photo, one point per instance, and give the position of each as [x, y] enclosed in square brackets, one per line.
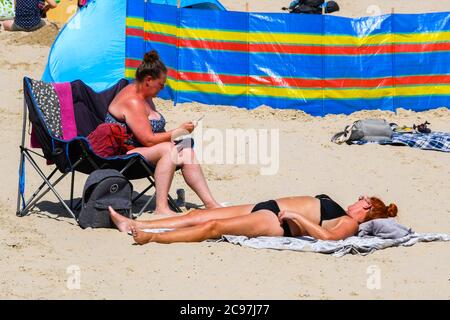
[171, 73]
[135, 32]
[160, 38]
[132, 63]
[422, 47]
[431, 79]
[317, 83]
[297, 49]
[351, 50]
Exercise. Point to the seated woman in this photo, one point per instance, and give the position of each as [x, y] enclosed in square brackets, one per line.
[134, 109]
[319, 217]
[28, 15]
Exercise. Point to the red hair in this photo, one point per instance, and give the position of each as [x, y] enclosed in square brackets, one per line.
[380, 210]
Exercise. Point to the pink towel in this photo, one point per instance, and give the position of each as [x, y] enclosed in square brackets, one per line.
[64, 93]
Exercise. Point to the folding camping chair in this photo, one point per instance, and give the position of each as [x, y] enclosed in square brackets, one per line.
[61, 116]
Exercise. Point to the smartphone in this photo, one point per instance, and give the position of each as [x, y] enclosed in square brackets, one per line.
[198, 120]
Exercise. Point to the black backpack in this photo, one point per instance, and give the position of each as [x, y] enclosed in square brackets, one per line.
[103, 188]
[307, 9]
[331, 7]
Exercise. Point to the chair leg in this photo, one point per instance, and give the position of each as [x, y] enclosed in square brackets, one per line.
[72, 185]
[22, 156]
[145, 206]
[128, 165]
[173, 205]
[28, 204]
[143, 192]
[50, 186]
[21, 172]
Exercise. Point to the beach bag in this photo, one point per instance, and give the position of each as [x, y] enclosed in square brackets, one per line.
[104, 188]
[110, 139]
[331, 7]
[313, 3]
[368, 130]
[307, 9]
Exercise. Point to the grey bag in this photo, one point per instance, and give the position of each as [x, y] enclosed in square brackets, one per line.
[103, 188]
[368, 130]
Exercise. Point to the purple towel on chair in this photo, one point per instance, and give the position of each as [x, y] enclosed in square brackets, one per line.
[64, 93]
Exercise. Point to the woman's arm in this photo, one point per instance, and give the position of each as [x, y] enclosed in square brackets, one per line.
[344, 229]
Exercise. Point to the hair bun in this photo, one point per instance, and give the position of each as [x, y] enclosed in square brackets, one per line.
[392, 210]
[151, 57]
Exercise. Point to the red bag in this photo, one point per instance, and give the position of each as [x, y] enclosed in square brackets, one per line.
[110, 139]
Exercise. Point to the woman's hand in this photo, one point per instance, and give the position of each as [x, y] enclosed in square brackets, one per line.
[188, 126]
[286, 215]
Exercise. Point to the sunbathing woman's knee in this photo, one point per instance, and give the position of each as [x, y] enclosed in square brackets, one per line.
[212, 228]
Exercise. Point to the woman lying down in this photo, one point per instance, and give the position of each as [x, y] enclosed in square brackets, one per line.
[319, 217]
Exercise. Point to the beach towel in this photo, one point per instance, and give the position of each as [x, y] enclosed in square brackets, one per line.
[55, 102]
[68, 125]
[353, 245]
[373, 235]
[438, 141]
[386, 228]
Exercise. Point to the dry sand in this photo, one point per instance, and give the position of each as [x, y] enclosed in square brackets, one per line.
[348, 8]
[36, 251]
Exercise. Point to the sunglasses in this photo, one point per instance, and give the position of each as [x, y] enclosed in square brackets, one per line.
[367, 200]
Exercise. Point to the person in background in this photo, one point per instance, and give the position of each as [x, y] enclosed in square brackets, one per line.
[29, 15]
[82, 3]
[312, 6]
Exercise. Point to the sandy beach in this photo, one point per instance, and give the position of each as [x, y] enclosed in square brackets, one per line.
[348, 8]
[36, 252]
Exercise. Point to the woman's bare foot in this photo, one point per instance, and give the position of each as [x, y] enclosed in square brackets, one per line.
[122, 223]
[141, 237]
[213, 205]
[165, 212]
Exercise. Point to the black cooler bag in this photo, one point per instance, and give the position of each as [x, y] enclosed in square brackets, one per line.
[103, 188]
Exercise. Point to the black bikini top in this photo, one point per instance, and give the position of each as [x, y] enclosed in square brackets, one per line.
[329, 209]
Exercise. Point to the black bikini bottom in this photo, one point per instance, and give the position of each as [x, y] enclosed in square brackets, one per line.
[272, 206]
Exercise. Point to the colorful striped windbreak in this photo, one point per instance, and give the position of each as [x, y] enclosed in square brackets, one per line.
[319, 64]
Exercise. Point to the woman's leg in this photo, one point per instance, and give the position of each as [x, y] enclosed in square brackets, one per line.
[261, 223]
[166, 157]
[7, 25]
[193, 175]
[192, 218]
[163, 157]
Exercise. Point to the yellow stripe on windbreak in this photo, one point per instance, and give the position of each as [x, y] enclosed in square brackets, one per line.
[302, 94]
[169, 29]
[296, 38]
[442, 36]
[135, 22]
[422, 90]
[130, 73]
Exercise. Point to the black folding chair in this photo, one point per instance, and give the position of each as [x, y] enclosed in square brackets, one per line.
[70, 156]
